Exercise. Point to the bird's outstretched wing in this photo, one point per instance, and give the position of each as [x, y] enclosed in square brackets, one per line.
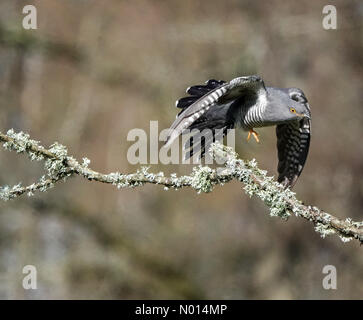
[211, 106]
[293, 140]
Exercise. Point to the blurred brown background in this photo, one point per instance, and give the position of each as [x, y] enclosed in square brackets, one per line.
[93, 70]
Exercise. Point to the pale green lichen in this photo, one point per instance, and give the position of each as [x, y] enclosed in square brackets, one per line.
[56, 166]
[85, 162]
[22, 143]
[8, 193]
[278, 200]
[265, 188]
[324, 230]
[281, 202]
[202, 179]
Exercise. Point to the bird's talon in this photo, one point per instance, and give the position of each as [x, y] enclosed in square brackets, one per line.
[255, 135]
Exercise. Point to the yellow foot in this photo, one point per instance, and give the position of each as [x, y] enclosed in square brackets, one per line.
[255, 135]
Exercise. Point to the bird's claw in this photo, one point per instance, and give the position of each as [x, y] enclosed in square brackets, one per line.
[255, 135]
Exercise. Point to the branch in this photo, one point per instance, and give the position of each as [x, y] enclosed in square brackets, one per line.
[281, 202]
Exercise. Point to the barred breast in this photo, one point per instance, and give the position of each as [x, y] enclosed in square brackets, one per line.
[251, 116]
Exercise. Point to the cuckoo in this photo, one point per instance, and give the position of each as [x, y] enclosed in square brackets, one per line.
[247, 103]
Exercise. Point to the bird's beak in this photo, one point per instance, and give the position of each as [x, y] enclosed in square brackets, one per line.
[305, 116]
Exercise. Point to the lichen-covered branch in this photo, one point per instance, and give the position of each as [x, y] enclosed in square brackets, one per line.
[59, 166]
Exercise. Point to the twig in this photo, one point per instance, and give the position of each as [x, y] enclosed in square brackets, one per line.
[281, 202]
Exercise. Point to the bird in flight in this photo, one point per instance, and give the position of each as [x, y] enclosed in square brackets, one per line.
[247, 103]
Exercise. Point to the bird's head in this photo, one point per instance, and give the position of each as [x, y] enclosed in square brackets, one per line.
[287, 105]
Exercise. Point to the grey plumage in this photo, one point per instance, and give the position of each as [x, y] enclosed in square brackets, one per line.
[245, 102]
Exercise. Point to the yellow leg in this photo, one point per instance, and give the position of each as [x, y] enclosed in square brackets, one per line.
[255, 135]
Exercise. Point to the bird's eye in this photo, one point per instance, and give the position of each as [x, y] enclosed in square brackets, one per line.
[292, 110]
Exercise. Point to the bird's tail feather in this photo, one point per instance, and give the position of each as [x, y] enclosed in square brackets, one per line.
[184, 119]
